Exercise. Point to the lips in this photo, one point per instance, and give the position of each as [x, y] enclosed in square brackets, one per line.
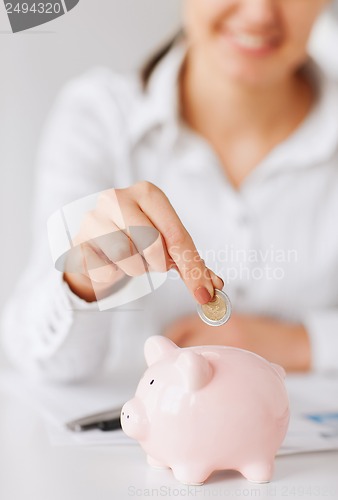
[254, 43]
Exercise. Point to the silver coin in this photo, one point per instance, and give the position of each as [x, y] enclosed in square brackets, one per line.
[217, 311]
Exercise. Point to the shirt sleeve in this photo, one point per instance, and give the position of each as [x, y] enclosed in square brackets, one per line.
[47, 330]
[322, 328]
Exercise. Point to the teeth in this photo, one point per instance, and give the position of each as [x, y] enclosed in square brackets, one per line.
[251, 41]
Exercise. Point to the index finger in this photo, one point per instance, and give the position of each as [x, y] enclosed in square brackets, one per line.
[180, 246]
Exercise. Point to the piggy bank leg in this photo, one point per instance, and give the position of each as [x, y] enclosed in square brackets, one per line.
[156, 463]
[192, 474]
[258, 472]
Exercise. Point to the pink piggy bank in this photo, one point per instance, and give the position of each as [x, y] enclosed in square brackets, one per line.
[206, 408]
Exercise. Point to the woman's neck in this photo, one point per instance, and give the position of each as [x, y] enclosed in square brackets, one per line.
[234, 117]
[232, 107]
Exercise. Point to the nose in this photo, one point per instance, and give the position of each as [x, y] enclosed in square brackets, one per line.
[125, 413]
[133, 419]
[131, 413]
[260, 12]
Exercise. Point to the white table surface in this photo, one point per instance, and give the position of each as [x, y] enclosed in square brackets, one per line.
[31, 469]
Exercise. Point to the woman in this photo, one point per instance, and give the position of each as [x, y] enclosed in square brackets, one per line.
[237, 128]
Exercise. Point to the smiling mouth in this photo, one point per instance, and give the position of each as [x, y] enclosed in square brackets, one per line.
[251, 42]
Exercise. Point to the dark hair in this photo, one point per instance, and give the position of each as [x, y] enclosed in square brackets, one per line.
[150, 65]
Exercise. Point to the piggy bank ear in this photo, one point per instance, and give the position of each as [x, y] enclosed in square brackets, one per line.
[196, 369]
[158, 347]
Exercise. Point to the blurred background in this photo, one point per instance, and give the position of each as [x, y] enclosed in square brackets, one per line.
[36, 63]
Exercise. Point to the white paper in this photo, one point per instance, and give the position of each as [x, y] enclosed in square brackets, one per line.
[59, 404]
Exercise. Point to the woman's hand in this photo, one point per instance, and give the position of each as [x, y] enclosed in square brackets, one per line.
[131, 231]
[283, 343]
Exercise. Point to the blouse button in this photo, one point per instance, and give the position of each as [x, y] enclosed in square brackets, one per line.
[243, 220]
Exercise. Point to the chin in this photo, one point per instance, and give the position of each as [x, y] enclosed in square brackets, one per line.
[254, 72]
[249, 77]
[258, 70]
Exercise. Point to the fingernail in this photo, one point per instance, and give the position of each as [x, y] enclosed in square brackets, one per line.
[221, 281]
[202, 295]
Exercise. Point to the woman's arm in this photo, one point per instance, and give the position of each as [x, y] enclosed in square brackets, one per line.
[47, 330]
[46, 316]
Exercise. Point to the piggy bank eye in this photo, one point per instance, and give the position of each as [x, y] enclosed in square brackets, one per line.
[152, 381]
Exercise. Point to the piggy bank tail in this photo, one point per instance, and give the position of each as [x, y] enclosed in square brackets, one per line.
[279, 369]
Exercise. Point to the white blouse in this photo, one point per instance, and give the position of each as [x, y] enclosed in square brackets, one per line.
[274, 241]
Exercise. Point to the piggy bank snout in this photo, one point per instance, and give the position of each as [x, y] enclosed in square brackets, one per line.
[133, 419]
